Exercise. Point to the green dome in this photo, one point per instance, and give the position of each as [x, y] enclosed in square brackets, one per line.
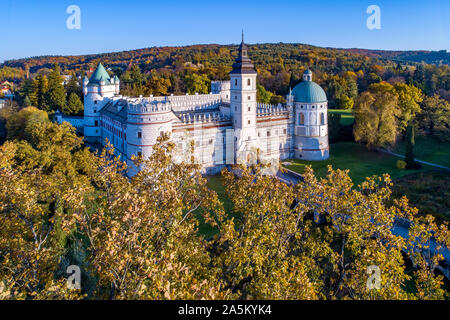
[100, 74]
[309, 92]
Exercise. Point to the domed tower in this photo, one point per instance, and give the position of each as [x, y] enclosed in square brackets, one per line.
[97, 92]
[310, 120]
[243, 103]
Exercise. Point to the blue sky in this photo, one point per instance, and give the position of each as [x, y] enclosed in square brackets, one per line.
[31, 28]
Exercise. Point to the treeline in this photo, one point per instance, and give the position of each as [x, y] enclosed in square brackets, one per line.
[280, 67]
[62, 205]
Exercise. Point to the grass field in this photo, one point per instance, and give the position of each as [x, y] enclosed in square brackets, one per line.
[428, 148]
[216, 183]
[360, 161]
[347, 117]
[427, 191]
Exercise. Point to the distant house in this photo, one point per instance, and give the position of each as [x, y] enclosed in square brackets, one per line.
[6, 88]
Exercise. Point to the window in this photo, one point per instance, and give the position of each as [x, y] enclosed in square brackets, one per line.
[210, 141]
[96, 123]
[139, 154]
[235, 108]
[249, 108]
[235, 97]
[259, 134]
[322, 118]
[248, 121]
[249, 98]
[248, 82]
[301, 119]
[95, 111]
[95, 102]
[268, 133]
[139, 134]
[235, 82]
[284, 131]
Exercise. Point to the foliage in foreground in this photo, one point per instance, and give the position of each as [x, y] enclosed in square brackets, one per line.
[137, 238]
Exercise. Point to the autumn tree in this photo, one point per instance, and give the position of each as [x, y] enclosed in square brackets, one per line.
[376, 112]
[409, 99]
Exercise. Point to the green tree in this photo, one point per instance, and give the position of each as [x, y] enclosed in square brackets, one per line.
[435, 116]
[197, 83]
[262, 95]
[39, 96]
[409, 153]
[56, 94]
[74, 105]
[345, 102]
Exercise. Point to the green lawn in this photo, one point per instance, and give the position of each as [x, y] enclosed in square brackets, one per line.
[347, 117]
[216, 183]
[360, 161]
[428, 148]
[427, 191]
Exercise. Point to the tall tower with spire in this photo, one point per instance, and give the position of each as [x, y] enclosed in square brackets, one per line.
[243, 104]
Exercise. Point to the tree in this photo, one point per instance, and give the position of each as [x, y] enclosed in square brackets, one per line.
[262, 95]
[74, 105]
[376, 114]
[157, 86]
[409, 99]
[56, 94]
[73, 87]
[17, 123]
[345, 102]
[409, 153]
[33, 225]
[38, 97]
[197, 83]
[435, 116]
[26, 102]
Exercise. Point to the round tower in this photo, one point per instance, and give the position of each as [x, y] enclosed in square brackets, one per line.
[146, 121]
[310, 120]
[98, 91]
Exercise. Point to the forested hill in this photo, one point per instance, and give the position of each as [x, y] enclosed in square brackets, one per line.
[343, 73]
[157, 57]
[430, 57]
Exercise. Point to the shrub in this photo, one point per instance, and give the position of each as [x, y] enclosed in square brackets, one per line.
[401, 164]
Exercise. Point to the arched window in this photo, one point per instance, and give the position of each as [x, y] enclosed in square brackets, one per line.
[235, 82]
[322, 118]
[301, 119]
[248, 82]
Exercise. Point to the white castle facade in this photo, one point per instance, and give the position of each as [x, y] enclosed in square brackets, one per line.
[225, 127]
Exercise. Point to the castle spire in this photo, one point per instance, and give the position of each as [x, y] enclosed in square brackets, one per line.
[242, 35]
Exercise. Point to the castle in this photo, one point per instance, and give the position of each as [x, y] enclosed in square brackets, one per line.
[225, 127]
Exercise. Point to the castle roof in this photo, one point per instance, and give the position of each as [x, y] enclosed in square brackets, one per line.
[243, 64]
[308, 91]
[99, 75]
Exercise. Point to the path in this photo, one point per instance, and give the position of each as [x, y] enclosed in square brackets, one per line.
[416, 160]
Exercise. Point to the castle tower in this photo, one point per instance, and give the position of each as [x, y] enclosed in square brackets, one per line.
[310, 120]
[243, 105]
[147, 120]
[97, 92]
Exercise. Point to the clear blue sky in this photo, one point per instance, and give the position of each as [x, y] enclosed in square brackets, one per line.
[31, 28]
